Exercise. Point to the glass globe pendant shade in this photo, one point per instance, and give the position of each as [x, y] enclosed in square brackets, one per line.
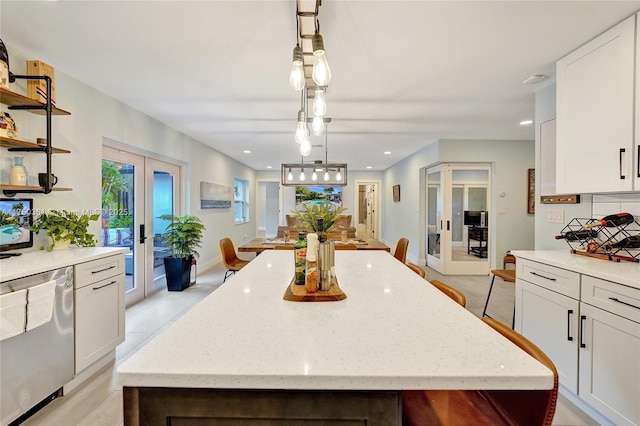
[326, 175]
[290, 176]
[305, 147]
[321, 73]
[302, 176]
[302, 131]
[314, 176]
[317, 126]
[319, 103]
[339, 176]
[296, 78]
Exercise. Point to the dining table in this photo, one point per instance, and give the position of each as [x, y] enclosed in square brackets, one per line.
[246, 356]
[258, 245]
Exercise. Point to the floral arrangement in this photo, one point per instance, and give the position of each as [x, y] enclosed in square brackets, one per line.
[319, 217]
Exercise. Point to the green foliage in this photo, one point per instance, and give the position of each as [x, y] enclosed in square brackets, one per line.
[325, 210]
[121, 221]
[64, 225]
[112, 182]
[183, 235]
[6, 218]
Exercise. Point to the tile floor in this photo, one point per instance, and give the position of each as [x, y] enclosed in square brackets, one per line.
[99, 400]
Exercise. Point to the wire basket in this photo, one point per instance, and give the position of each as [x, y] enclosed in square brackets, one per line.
[588, 237]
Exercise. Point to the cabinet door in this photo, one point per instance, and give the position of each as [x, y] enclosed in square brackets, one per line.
[99, 320]
[595, 116]
[550, 320]
[610, 365]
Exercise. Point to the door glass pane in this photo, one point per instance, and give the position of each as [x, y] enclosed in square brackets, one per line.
[162, 204]
[434, 213]
[469, 194]
[118, 181]
[457, 201]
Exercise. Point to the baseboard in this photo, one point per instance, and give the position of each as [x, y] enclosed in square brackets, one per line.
[586, 408]
[88, 372]
[208, 264]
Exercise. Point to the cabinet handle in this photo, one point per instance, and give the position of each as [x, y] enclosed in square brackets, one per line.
[542, 276]
[106, 285]
[615, 299]
[569, 314]
[638, 165]
[583, 319]
[622, 151]
[102, 270]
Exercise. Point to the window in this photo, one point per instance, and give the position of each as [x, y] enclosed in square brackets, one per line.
[241, 201]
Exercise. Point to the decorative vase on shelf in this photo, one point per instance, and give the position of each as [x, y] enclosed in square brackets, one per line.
[18, 173]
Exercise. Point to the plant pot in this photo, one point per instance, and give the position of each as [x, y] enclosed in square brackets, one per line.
[178, 272]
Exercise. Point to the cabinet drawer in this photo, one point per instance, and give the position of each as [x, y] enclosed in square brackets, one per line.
[555, 279]
[612, 297]
[99, 269]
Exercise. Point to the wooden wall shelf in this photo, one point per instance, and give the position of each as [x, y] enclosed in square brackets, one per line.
[12, 144]
[10, 98]
[32, 189]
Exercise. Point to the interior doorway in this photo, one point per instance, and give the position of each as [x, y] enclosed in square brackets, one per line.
[268, 208]
[366, 209]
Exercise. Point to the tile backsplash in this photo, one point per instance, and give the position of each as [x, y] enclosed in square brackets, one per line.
[603, 205]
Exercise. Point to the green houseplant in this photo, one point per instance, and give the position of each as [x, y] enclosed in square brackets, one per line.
[182, 237]
[325, 211]
[65, 226]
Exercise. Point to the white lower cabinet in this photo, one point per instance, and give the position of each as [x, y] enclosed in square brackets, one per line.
[593, 338]
[99, 309]
[550, 320]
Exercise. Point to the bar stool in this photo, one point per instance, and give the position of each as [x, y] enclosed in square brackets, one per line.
[508, 275]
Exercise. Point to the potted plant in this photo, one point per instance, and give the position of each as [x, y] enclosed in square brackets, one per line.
[182, 237]
[66, 227]
[325, 211]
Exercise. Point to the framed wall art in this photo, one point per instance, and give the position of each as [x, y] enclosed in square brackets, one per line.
[215, 196]
[396, 193]
[531, 191]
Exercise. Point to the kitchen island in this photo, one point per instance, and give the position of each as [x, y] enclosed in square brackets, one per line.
[244, 352]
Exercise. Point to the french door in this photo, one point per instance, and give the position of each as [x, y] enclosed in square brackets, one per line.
[453, 192]
[135, 191]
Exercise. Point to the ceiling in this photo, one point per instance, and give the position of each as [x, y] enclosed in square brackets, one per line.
[405, 73]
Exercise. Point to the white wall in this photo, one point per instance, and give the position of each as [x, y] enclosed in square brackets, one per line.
[95, 116]
[514, 230]
[545, 231]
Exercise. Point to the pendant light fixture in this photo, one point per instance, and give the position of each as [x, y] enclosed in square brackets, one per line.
[317, 126]
[319, 103]
[321, 73]
[296, 78]
[302, 130]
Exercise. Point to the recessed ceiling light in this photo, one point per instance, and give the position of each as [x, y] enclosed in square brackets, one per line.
[369, 167]
[387, 152]
[269, 167]
[525, 122]
[246, 151]
[535, 78]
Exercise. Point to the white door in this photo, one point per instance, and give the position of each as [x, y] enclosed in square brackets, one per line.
[551, 321]
[610, 364]
[135, 191]
[162, 197]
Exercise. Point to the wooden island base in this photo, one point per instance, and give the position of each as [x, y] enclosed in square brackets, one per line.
[213, 407]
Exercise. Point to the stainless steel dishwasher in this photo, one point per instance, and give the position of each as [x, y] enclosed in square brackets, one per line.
[36, 362]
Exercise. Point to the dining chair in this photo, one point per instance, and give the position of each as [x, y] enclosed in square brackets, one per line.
[508, 275]
[230, 259]
[485, 407]
[455, 294]
[401, 250]
[415, 268]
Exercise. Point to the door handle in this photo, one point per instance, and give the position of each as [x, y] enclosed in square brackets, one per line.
[142, 235]
[448, 225]
[583, 319]
[569, 314]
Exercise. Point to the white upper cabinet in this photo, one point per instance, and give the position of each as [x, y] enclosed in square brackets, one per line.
[595, 114]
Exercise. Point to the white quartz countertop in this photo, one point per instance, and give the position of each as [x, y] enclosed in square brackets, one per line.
[35, 262]
[394, 331]
[627, 273]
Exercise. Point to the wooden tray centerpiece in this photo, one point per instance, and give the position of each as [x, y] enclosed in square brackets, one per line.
[298, 293]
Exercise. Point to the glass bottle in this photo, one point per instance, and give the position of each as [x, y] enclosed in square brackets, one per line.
[18, 173]
[300, 258]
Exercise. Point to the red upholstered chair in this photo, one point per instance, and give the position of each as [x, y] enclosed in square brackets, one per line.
[485, 407]
[455, 294]
[230, 259]
[401, 250]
